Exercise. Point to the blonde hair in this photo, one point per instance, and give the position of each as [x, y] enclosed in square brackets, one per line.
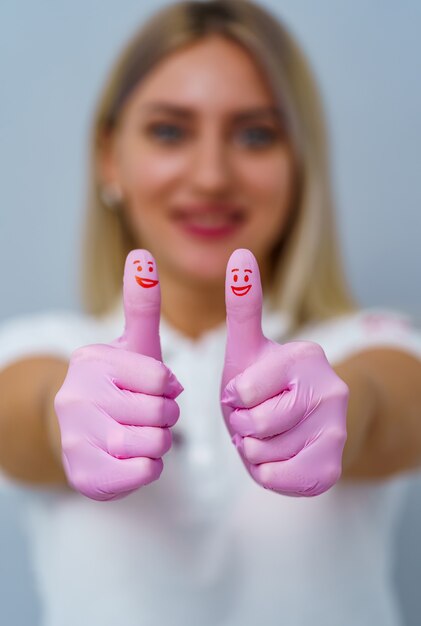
[308, 282]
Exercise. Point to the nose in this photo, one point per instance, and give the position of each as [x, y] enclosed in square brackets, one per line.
[210, 168]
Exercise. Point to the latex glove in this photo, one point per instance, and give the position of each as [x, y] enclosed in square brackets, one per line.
[117, 403]
[284, 406]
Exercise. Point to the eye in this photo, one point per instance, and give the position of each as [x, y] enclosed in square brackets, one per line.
[139, 269]
[151, 269]
[167, 133]
[235, 277]
[258, 136]
[246, 278]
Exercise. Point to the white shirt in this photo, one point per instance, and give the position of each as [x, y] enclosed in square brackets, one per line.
[205, 545]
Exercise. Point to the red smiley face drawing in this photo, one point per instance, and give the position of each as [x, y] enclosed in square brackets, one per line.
[244, 289]
[145, 282]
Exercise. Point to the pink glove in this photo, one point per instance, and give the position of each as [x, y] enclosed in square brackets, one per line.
[284, 406]
[117, 402]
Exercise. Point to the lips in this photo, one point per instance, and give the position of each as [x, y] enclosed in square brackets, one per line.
[209, 221]
[241, 291]
[191, 210]
[146, 282]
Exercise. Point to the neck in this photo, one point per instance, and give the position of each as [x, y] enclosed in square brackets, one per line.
[192, 309]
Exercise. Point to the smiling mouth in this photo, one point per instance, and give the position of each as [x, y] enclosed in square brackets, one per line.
[241, 291]
[146, 282]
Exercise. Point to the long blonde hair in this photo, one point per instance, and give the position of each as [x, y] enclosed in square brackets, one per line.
[308, 281]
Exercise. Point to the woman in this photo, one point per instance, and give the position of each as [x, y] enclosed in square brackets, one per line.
[208, 138]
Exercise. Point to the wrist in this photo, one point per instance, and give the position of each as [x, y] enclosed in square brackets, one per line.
[362, 407]
[52, 427]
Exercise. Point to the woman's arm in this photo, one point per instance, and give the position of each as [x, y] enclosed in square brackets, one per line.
[384, 413]
[30, 441]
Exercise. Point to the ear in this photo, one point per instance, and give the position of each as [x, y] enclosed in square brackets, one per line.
[106, 161]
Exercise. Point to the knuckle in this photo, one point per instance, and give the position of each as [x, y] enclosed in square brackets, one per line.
[340, 387]
[337, 435]
[79, 480]
[315, 347]
[250, 447]
[258, 419]
[96, 351]
[315, 350]
[241, 384]
[308, 349]
[111, 483]
[78, 354]
[151, 469]
[59, 400]
[247, 389]
[343, 388]
[67, 398]
[81, 353]
[241, 421]
[70, 441]
[172, 412]
[331, 474]
[267, 475]
[162, 375]
[338, 390]
[164, 440]
[161, 408]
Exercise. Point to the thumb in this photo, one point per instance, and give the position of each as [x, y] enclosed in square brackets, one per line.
[243, 298]
[142, 305]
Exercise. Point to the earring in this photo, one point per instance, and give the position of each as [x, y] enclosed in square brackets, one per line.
[111, 196]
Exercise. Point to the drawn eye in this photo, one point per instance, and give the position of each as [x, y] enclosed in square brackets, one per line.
[235, 277]
[246, 278]
[151, 269]
[139, 269]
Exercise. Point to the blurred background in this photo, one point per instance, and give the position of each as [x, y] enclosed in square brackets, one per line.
[53, 59]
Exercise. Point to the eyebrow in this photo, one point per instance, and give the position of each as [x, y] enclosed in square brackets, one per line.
[183, 112]
[150, 262]
[237, 270]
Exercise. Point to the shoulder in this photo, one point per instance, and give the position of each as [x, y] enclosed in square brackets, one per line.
[56, 332]
[340, 337]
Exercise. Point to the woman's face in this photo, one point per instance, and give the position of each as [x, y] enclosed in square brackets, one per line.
[201, 159]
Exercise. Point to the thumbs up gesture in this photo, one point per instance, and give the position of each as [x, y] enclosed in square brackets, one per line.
[284, 406]
[117, 403]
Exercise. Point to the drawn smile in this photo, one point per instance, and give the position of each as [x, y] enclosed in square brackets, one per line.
[241, 291]
[146, 282]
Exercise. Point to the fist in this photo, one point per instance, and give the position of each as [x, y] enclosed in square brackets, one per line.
[117, 404]
[284, 406]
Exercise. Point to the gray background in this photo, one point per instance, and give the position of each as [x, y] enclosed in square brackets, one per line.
[53, 58]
